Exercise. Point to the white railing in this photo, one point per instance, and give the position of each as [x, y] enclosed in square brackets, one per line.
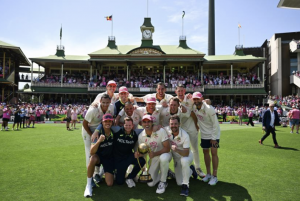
[145, 89]
[235, 86]
[67, 85]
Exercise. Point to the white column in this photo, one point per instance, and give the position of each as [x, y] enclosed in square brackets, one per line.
[263, 66]
[127, 72]
[31, 73]
[164, 73]
[231, 77]
[202, 81]
[62, 75]
[39, 71]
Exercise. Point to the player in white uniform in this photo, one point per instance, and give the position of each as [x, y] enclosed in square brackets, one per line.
[110, 90]
[160, 95]
[160, 153]
[129, 112]
[210, 135]
[150, 109]
[174, 108]
[182, 156]
[91, 120]
[190, 126]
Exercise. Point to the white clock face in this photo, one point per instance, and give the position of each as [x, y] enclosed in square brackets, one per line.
[147, 34]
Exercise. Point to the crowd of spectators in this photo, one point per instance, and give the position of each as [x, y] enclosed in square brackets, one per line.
[288, 101]
[248, 78]
[3, 69]
[149, 80]
[77, 78]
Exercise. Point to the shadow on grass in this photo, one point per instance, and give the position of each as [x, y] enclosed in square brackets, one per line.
[198, 191]
[284, 148]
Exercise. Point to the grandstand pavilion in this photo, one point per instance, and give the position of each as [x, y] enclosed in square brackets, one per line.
[148, 58]
[11, 58]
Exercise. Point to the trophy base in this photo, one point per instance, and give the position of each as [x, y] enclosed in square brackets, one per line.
[145, 178]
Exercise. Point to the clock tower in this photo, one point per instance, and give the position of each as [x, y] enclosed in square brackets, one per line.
[147, 30]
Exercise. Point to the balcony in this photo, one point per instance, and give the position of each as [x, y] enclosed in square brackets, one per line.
[235, 86]
[66, 85]
[145, 89]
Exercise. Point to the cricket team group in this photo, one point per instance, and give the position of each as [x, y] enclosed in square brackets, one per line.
[171, 126]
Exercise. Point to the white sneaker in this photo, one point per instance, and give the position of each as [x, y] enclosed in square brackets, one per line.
[130, 183]
[206, 178]
[292, 132]
[161, 187]
[213, 181]
[200, 173]
[88, 191]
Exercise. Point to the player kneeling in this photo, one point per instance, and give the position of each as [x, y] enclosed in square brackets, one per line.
[182, 156]
[102, 153]
[125, 140]
[160, 155]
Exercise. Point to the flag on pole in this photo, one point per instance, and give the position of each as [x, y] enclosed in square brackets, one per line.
[60, 32]
[183, 14]
[239, 26]
[109, 18]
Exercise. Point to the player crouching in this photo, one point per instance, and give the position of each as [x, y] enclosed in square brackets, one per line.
[102, 153]
[160, 155]
[182, 156]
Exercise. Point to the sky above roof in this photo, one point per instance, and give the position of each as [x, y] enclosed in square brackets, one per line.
[35, 25]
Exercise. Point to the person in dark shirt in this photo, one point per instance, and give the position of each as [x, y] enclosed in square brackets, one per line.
[102, 154]
[17, 119]
[125, 141]
[123, 98]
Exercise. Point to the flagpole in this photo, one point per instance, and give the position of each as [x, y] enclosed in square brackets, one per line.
[112, 25]
[60, 35]
[182, 26]
[147, 8]
[183, 21]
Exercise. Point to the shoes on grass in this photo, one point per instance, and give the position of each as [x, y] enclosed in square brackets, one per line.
[194, 173]
[260, 142]
[276, 146]
[213, 181]
[200, 173]
[206, 178]
[88, 191]
[161, 187]
[184, 190]
[130, 183]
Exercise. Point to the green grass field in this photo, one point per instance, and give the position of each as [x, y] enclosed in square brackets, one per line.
[48, 163]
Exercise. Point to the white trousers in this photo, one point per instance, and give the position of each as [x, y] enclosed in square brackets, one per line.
[182, 169]
[87, 143]
[159, 168]
[195, 147]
